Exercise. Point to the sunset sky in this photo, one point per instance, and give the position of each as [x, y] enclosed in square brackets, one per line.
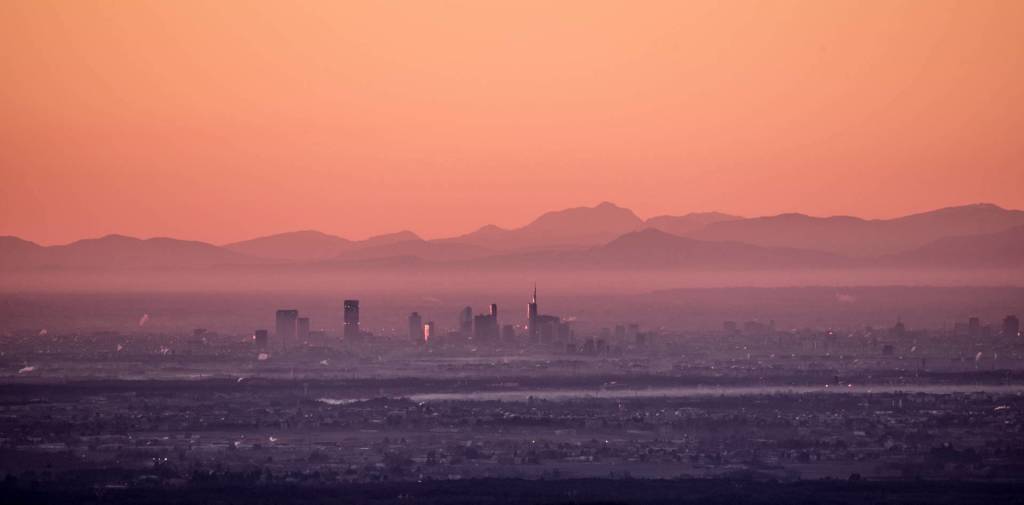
[221, 121]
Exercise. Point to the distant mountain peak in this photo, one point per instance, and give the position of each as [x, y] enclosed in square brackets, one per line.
[571, 228]
[308, 233]
[111, 239]
[490, 228]
[603, 209]
[292, 245]
[979, 205]
[398, 236]
[969, 208]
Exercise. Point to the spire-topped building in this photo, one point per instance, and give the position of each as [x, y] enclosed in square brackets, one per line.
[544, 328]
[531, 315]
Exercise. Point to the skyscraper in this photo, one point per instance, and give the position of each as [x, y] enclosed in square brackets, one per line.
[285, 327]
[542, 328]
[260, 338]
[898, 330]
[1011, 327]
[466, 321]
[351, 319]
[416, 328]
[302, 329]
[429, 330]
[974, 327]
[531, 315]
[485, 326]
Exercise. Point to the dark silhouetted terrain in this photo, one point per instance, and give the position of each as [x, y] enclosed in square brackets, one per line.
[610, 245]
[859, 237]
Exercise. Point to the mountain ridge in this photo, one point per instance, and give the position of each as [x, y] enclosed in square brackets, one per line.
[854, 236]
[604, 234]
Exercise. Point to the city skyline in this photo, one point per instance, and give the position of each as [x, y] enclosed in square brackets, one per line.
[512, 252]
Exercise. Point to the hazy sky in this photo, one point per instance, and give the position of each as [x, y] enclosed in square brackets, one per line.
[225, 120]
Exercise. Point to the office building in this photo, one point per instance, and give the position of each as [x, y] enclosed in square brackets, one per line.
[259, 337]
[351, 326]
[485, 326]
[549, 328]
[302, 329]
[974, 327]
[1011, 327]
[466, 321]
[429, 332]
[416, 328]
[286, 324]
[543, 328]
[531, 317]
[899, 330]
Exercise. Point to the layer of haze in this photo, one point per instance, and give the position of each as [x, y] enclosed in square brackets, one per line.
[221, 121]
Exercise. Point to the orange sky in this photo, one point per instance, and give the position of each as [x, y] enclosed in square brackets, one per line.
[224, 120]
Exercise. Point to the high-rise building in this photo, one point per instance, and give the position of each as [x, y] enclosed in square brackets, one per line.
[429, 332]
[531, 317]
[485, 327]
[548, 328]
[260, 338]
[302, 329]
[974, 327]
[284, 329]
[1011, 327]
[542, 328]
[416, 328]
[899, 330]
[466, 321]
[564, 331]
[351, 328]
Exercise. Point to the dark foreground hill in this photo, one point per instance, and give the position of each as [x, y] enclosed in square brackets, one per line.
[114, 487]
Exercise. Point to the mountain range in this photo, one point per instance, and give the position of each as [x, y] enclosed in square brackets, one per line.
[853, 236]
[603, 236]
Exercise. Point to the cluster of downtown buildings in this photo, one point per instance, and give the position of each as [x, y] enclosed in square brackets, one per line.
[290, 329]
